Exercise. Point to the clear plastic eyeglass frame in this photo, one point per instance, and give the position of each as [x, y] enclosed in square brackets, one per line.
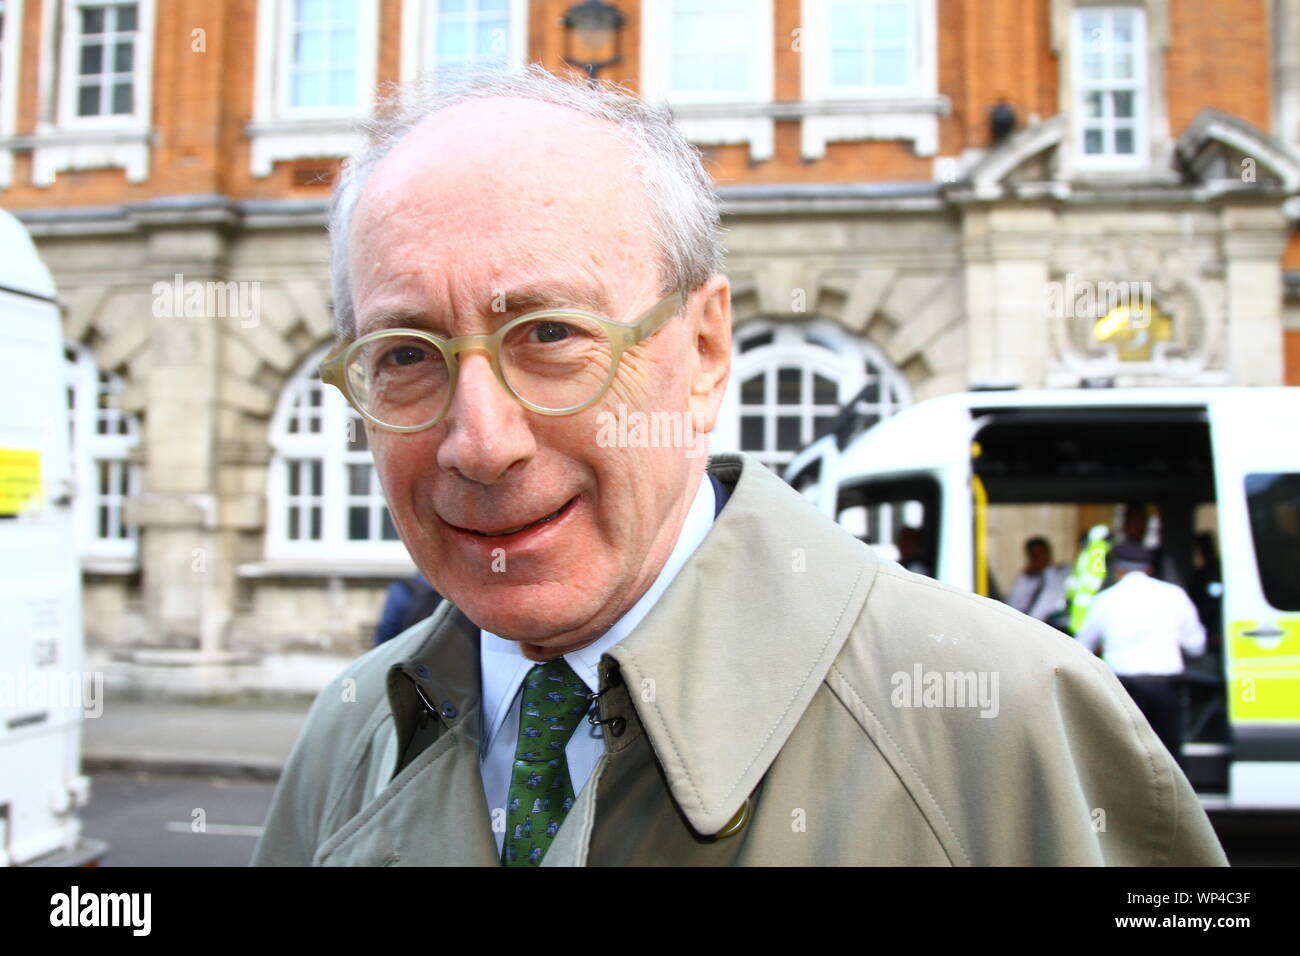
[622, 336]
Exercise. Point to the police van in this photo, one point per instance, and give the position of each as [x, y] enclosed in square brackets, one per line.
[954, 486]
[44, 692]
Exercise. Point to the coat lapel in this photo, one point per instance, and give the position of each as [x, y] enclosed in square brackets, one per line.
[433, 811]
[726, 662]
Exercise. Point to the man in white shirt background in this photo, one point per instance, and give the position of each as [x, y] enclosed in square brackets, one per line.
[1143, 627]
[1039, 591]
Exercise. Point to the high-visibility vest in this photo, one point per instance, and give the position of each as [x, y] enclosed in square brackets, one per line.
[1088, 576]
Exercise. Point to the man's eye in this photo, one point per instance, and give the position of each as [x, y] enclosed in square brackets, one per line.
[405, 355]
[543, 332]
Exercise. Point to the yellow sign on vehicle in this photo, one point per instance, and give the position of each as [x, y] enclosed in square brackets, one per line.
[20, 481]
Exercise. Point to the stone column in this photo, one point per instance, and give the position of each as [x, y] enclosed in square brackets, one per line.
[1006, 251]
[1254, 237]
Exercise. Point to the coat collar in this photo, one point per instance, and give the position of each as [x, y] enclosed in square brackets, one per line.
[724, 665]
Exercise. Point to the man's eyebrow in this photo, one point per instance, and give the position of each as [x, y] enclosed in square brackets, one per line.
[505, 303]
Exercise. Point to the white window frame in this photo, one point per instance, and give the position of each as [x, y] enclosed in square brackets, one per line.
[420, 36]
[281, 132]
[366, 67]
[141, 69]
[819, 346]
[712, 118]
[816, 55]
[329, 446]
[1139, 85]
[90, 449]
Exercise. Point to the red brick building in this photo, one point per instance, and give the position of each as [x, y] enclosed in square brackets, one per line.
[921, 196]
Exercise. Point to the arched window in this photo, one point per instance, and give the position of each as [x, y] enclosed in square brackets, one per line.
[788, 381]
[323, 493]
[103, 437]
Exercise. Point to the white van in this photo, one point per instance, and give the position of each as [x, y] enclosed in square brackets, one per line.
[971, 476]
[44, 692]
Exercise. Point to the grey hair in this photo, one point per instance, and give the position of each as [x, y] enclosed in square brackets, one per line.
[685, 218]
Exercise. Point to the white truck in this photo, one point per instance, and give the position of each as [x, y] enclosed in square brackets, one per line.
[44, 693]
[962, 480]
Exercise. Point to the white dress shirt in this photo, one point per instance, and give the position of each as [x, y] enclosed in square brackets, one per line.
[1141, 623]
[1042, 594]
[503, 668]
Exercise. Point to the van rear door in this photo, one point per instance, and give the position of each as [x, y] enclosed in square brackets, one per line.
[1256, 437]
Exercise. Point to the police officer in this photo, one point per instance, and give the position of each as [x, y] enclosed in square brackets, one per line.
[1143, 626]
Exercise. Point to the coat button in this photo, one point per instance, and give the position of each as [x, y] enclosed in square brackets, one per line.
[449, 711]
[736, 824]
[422, 670]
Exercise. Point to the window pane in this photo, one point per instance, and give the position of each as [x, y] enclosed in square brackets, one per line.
[123, 57]
[92, 20]
[751, 433]
[825, 392]
[751, 391]
[123, 101]
[125, 17]
[306, 89]
[315, 523]
[1092, 105]
[1092, 141]
[1122, 25]
[890, 68]
[387, 530]
[311, 11]
[1274, 502]
[343, 88]
[358, 479]
[294, 480]
[1124, 141]
[1091, 65]
[453, 42]
[848, 68]
[451, 6]
[787, 433]
[88, 105]
[315, 477]
[787, 386]
[1122, 66]
[92, 59]
[358, 523]
[309, 49]
[1123, 103]
[293, 524]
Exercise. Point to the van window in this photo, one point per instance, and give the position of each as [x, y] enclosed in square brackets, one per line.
[899, 516]
[1274, 503]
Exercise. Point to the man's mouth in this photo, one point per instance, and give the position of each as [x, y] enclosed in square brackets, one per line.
[523, 527]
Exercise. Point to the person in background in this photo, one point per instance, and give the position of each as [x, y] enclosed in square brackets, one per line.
[1143, 627]
[911, 550]
[1039, 591]
[408, 601]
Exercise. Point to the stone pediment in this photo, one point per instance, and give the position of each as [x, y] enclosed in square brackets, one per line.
[1217, 153]
[1218, 150]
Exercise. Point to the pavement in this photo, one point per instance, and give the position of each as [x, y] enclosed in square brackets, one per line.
[193, 737]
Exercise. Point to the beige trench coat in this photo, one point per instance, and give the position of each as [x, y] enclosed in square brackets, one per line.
[791, 699]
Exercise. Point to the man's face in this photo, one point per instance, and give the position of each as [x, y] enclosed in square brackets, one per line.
[1036, 558]
[485, 211]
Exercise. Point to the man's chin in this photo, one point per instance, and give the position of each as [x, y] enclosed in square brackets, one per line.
[527, 621]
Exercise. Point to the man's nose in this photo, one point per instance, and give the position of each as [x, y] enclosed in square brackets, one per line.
[487, 430]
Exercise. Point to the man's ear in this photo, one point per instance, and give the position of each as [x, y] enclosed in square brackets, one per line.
[711, 352]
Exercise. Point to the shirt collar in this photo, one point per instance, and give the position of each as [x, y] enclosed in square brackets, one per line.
[503, 666]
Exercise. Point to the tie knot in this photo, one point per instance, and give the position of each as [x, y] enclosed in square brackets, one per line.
[554, 702]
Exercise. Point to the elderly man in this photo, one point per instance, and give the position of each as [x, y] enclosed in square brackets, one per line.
[646, 655]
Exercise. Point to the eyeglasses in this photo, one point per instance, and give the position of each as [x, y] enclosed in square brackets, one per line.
[553, 362]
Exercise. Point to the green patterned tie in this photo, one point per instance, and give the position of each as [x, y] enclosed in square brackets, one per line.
[553, 703]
